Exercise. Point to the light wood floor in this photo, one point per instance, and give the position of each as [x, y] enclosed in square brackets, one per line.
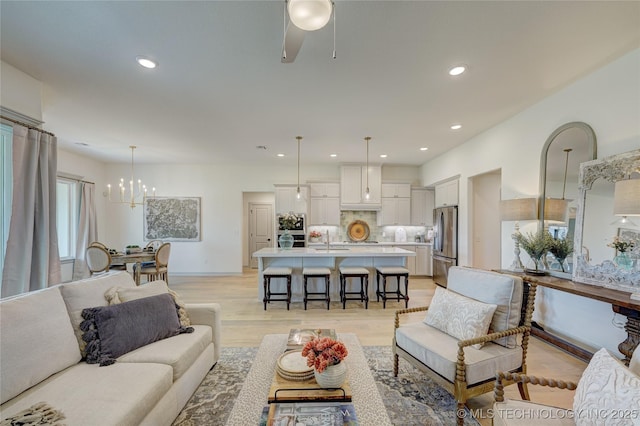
[244, 323]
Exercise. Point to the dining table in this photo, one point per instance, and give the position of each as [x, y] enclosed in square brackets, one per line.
[136, 259]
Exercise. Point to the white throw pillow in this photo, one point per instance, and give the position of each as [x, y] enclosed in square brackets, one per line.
[459, 316]
[608, 393]
[117, 295]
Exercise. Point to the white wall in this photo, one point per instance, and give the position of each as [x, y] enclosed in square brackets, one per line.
[609, 101]
[20, 92]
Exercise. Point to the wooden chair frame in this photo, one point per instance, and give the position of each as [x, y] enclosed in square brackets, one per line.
[105, 251]
[459, 388]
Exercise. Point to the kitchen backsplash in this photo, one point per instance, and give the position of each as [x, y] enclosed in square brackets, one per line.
[376, 233]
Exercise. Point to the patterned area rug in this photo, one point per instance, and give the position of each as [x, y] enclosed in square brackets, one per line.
[410, 399]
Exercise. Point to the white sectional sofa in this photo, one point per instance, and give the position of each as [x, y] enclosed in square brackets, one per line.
[41, 361]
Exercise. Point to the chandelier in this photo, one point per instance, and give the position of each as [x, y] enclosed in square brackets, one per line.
[137, 195]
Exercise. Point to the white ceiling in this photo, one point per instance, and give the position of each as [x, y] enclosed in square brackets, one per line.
[220, 89]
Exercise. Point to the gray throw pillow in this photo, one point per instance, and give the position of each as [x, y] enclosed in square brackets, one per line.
[112, 331]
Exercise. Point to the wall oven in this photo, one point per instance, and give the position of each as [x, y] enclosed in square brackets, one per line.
[299, 231]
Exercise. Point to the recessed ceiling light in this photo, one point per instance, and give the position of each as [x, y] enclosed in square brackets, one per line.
[333, 155]
[424, 148]
[456, 126]
[146, 62]
[280, 155]
[383, 155]
[457, 70]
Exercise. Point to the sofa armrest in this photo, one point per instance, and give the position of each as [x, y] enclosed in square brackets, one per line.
[407, 311]
[207, 314]
[498, 389]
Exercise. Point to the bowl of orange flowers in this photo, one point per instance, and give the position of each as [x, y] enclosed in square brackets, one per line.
[326, 356]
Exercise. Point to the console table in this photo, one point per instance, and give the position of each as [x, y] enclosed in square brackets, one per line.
[620, 301]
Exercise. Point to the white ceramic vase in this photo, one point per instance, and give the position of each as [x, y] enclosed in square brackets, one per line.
[332, 377]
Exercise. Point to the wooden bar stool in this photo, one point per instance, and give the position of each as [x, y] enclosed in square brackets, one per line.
[392, 271]
[275, 272]
[347, 272]
[316, 273]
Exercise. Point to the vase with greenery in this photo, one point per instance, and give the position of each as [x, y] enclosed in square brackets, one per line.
[622, 259]
[561, 248]
[536, 245]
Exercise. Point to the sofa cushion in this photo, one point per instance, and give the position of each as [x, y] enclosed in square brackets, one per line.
[40, 413]
[111, 331]
[606, 386]
[459, 316]
[491, 287]
[122, 394]
[180, 352]
[89, 293]
[124, 294]
[439, 351]
[36, 340]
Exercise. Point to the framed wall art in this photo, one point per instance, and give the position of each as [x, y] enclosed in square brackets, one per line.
[172, 219]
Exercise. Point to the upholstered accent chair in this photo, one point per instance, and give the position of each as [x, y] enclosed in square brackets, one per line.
[608, 391]
[472, 330]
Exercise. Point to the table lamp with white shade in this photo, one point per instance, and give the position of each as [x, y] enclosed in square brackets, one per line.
[517, 210]
[626, 201]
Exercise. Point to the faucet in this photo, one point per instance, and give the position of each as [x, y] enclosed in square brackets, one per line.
[327, 239]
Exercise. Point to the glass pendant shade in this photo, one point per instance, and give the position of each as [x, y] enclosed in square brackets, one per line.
[309, 15]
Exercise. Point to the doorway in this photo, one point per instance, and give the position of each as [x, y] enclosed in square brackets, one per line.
[259, 224]
[485, 220]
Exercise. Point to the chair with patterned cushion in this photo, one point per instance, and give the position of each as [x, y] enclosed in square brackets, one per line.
[98, 260]
[607, 389]
[160, 269]
[472, 329]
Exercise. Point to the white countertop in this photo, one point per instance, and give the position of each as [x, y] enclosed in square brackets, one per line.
[380, 243]
[353, 250]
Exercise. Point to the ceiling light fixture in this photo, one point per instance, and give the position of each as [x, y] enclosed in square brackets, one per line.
[146, 62]
[310, 15]
[333, 155]
[457, 70]
[556, 210]
[367, 195]
[383, 155]
[456, 126]
[299, 138]
[424, 148]
[133, 195]
[280, 155]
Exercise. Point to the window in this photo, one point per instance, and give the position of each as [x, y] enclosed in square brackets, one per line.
[6, 186]
[66, 217]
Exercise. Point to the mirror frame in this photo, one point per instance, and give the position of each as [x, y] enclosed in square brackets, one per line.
[606, 274]
[593, 153]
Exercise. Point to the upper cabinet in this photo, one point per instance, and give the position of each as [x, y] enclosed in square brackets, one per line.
[422, 205]
[396, 204]
[325, 204]
[353, 185]
[447, 194]
[287, 200]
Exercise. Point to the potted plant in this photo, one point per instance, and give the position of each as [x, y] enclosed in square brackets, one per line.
[325, 355]
[536, 245]
[132, 249]
[622, 259]
[561, 248]
[314, 236]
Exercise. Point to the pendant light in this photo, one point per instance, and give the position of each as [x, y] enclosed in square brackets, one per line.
[626, 201]
[298, 138]
[555, 210]
[137, 195]
[367, 195]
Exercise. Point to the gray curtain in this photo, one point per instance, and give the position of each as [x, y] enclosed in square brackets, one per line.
[32, 261]
[87, 230]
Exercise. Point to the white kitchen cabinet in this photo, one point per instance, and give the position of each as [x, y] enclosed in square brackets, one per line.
[447, 194]
[324, 211]
[325, 190]
[395, 211]
[287, 201]
[396, 190]
[423, 260]
[353, 185]
[422, 205]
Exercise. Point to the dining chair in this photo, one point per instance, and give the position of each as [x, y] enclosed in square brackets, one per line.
[158, 271]
[98, 260]
[117, 266]
[154, 244]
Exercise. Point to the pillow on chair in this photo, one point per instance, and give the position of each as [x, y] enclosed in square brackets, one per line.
[607, 387]
[459, 316]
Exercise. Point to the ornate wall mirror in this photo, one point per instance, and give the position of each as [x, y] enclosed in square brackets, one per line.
[597, 262]
[568, 146]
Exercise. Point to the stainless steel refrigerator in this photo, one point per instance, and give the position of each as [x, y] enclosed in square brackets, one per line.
[445, 242]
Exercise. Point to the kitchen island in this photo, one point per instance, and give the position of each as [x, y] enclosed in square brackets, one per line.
[332, 258]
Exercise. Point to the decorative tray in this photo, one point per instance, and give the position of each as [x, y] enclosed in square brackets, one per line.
[358, 230]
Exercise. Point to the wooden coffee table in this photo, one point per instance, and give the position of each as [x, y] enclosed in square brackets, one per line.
[253, 396]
